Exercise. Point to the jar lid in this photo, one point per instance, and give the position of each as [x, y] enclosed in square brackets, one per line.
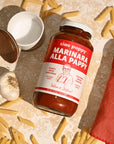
[9, 51]
[78, 25]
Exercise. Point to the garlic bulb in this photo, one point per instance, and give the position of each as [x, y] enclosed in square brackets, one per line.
[9, 87]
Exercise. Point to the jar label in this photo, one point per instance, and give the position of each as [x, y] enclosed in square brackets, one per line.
[64, 69]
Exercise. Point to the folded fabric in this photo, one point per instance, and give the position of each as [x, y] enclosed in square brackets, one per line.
[103, 127]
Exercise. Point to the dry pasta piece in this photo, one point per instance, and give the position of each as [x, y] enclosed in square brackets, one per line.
[88, 136]
[53, 3]
[84, 135]
[44, 9]
[77, 138]
[4, 140]
[35, 2]
[102, 15]
[10, 103]
[94, 141]
[106, 29]
[70, 14]
[25, 121]
[20, 135]
[54, 10]
[16, 138]
[2, 129]
[33, 139]
[112, 33]
[2, 121]
[89, 140]
[7, 111]
[112, 15]
[64, 140]
[13, 142]
[60, 129]
[24, 5]
[1, 134]
[8, 142]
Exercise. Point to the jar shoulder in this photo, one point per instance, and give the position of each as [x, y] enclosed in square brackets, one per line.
[74, 38]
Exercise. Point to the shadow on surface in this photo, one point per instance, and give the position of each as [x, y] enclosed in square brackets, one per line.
[98, 86]
[6, 13]
[29, 63]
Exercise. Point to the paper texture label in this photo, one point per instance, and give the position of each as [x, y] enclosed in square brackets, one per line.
[64, 69]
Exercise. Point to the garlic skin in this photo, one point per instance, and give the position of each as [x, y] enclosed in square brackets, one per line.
[9, 87]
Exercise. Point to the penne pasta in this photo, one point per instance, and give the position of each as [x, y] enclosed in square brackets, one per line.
[89, 140]
[112, 33]
[24, 5]
[54, 10]
[112, 15]
[60, 129]
[10, 103]
[7, 111]
[2, 129]
[3, 122]
[94, 141]
[44, 9]
[64, 140]
[25, 121]
[33, 139]
[13, 142]
[53, 3]
[106, 29]
[84, 135]
[4, 140]
[103, 14]
[77, 138]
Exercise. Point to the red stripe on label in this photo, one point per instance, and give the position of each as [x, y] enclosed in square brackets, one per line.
[61, 93]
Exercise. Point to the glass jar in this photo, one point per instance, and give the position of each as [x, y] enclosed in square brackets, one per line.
[64, 69]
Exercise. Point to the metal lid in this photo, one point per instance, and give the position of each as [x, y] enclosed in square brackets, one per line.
[77, 25]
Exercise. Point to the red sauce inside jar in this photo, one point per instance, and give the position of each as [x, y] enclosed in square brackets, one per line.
[52, 102]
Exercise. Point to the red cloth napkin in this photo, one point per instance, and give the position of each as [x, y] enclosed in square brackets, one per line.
[103, 127]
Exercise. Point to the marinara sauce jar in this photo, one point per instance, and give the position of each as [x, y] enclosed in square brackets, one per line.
[64, 69]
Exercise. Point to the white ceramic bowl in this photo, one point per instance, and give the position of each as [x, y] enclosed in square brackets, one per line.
[27, 28]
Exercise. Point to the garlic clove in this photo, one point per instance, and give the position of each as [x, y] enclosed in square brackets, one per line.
[9, 87]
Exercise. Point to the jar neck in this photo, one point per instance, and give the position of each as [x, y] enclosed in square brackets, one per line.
[76, 31]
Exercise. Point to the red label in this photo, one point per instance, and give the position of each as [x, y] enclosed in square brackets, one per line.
[67, 52]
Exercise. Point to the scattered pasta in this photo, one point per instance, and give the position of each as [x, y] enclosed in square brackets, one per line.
[109, 24]
[33, 139]
[44, 9]
[77, 138]
[10, 103]
[3, 122]
[106, 28]
[25, 121]
[112, 33]
[84, 135]
[24, 5]
[53, 3]
[112, 15]
[7, 111]
[54, 10]
[89, 140]
[103, 14]
[64, 140]
[60, 129]
[5, 140]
